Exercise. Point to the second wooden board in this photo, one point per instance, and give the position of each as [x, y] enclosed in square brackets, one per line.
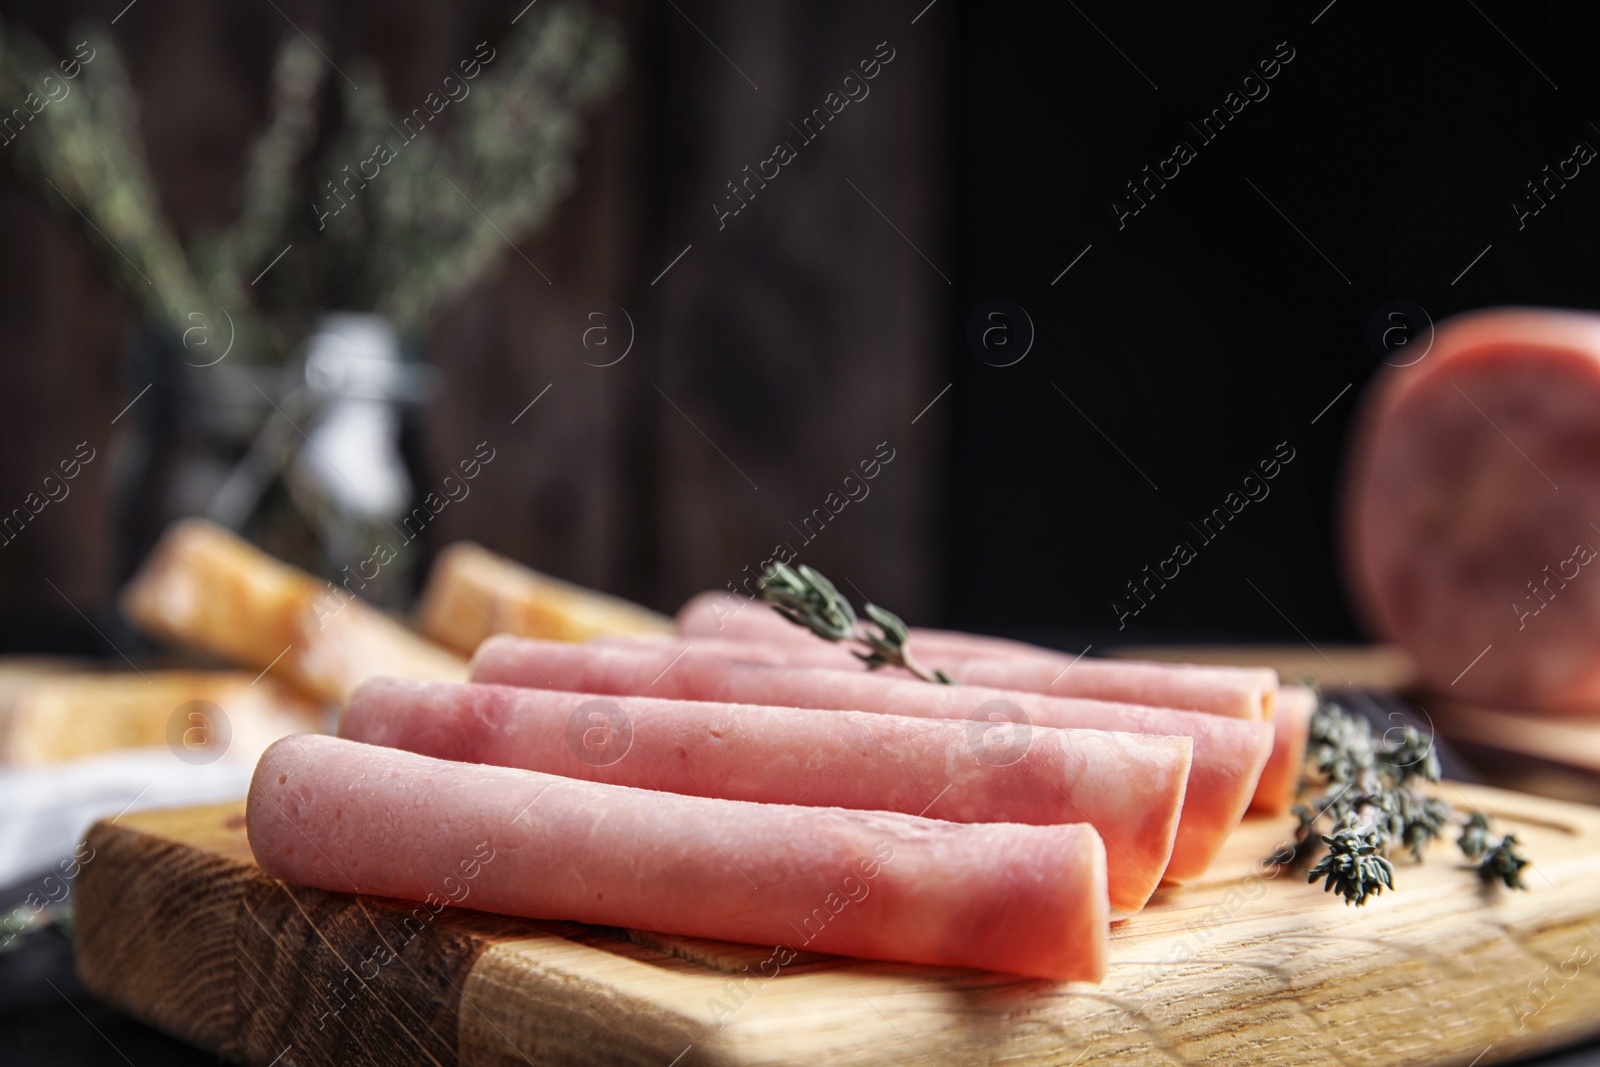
[177, 926]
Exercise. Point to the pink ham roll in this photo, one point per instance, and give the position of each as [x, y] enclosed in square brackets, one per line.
[1130, 787]
[813, 653]
[358, 818]
[1238, 692]
[1241, 692]
[714, 614]
[738, 618]
[1243, 695]
[1228, 753]
[1291, 729]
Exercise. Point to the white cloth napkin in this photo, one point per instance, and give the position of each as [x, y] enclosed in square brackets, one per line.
[45, 811]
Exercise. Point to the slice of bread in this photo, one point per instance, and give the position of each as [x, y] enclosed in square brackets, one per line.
[207, 589]
[473, 594]
[53, 717]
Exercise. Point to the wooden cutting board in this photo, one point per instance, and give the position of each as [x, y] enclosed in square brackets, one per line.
[176, 925]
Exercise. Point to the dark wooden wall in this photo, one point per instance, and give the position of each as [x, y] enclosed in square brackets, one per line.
[767, 363]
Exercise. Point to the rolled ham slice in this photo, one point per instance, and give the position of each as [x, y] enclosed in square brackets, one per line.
[1472, 509]
[1241, 692]
[813, 653]
[1130, 787]
[1238, 692]
[1291, 729]
[739, 618]
[357, 818]
[1228, 753]
[1279, 778]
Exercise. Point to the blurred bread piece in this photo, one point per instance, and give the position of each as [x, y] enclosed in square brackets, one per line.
[207, 589]
[52, 717]
[337, 648]
[473, 594]
[18, 672]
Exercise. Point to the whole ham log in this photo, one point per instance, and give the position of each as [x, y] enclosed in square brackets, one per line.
[1129, 787]
[1472, 504]
[1228, 753]
[1242, 692]
[356, 818]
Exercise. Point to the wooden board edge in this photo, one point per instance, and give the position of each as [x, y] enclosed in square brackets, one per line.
[250, 968]
[129, 872]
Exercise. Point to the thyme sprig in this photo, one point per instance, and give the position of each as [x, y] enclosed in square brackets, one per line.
[1505, 862]
[806, 598]
[1355, 865]
[1365, 788]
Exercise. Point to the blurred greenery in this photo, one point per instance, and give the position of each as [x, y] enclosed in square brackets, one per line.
[478, 164]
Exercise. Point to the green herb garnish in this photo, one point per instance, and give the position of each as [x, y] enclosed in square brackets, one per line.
[1365, 789]
[806, 598]
[1355, 865]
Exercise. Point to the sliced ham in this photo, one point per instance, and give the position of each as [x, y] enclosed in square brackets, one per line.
[1472, 509]
[714, 614]
[738, 618]
[1228, 753]
[1291, 729]
[815, 652]
[1130, 787]
[1242, 692]
[1238, 692]
[357, 818]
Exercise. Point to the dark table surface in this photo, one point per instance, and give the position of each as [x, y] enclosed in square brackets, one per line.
[47, 1020]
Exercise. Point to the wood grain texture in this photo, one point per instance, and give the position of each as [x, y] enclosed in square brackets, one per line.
[177, 926]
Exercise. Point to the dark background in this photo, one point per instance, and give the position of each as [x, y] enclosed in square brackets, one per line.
[1177, 351]
[1207, 330]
